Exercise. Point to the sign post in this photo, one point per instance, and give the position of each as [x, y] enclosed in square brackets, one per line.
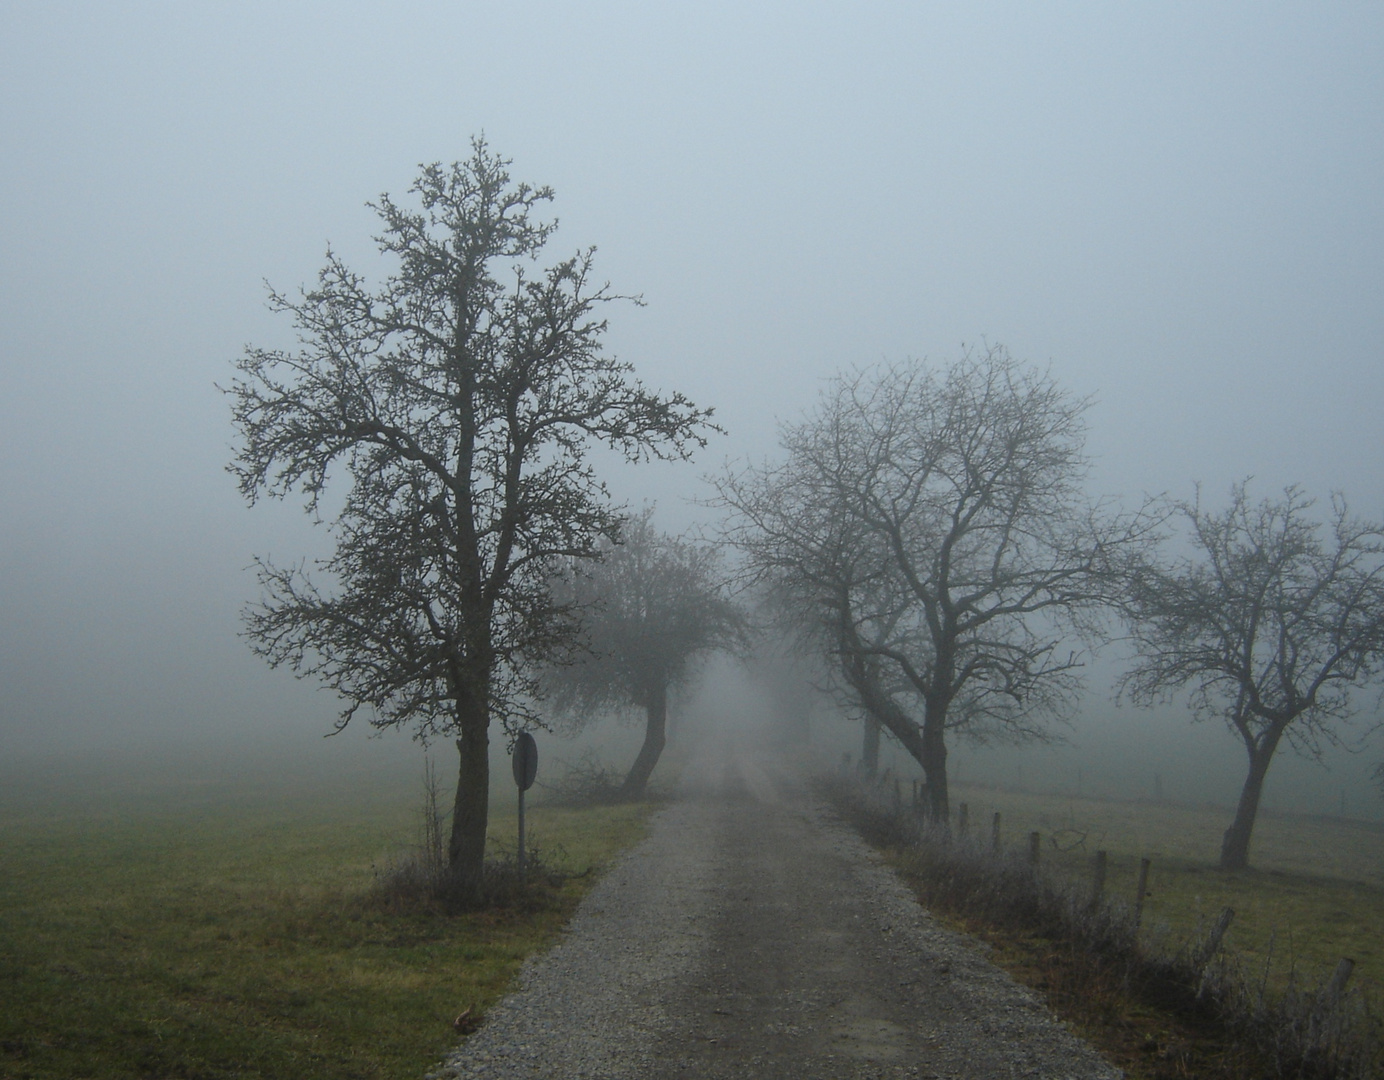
[525, 763]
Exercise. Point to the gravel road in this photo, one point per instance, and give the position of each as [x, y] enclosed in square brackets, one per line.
[753, 935]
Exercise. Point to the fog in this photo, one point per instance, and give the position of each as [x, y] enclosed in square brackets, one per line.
[1176, 207]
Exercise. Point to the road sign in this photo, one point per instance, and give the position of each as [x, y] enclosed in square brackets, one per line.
[525, 761]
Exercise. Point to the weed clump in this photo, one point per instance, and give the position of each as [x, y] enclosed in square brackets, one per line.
[414, 880]
[585, 782]
[422, 877]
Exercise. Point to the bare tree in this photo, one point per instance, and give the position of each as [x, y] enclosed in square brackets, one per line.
[651, 607]
[1271, 622]
[454, 403]
[811, 562]
[820, 579]
[933, 529]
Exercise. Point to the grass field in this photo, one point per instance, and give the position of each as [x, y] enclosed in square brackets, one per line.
[166, 922]
[223, 927]
[1314, 895]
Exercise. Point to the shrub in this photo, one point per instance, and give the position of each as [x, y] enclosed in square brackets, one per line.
[585, 782]
[422, 877]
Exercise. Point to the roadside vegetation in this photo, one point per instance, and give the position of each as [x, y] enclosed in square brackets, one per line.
[1163, 996]
[241, 930]
[1315, 895]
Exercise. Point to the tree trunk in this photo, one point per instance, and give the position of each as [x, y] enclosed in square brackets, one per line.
[655, 738]
[869, 748]
[471, 811]
[1235, 843]
[884, 712]
[928, 750]
[934, 763]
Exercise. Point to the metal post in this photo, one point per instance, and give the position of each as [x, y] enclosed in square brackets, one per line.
[522, 844]
[524, 760]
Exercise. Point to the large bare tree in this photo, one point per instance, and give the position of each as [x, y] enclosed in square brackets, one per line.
[819, 579]
[1271, 621]
[933, 526]
[651, 608]
[451, 406]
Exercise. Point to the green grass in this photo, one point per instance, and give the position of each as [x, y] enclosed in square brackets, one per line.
[222, 929]
[1314, 895]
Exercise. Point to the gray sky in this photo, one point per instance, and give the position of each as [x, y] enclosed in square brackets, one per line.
[1177, 206]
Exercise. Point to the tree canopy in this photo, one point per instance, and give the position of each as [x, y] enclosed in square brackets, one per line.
[451, 406]
[1271, 621]
[652, 606]
[930, 529]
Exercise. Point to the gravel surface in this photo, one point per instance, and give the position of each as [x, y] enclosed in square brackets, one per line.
[754, 935]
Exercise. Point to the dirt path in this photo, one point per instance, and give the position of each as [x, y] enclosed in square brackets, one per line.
[752, 935]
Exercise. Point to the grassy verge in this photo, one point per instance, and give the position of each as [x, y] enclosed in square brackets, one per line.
[1315, 894]
[1164, 1004]
[229, 936]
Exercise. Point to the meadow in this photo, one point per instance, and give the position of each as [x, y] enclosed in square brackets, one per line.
[1314, 893]
[160, 920]
[166, 922]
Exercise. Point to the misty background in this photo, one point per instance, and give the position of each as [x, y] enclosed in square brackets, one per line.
[1178, 207]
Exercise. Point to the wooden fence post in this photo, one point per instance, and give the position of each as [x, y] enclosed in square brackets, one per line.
[1142, 890]
[1210, 948]
[1098, 882]
[1212, 945]
[1337, 984]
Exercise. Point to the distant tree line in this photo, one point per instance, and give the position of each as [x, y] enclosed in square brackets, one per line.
[928, 532]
